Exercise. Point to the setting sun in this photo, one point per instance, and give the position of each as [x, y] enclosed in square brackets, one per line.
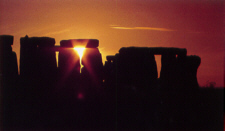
[80, 51]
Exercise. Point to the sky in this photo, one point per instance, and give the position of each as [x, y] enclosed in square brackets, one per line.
[197, 25]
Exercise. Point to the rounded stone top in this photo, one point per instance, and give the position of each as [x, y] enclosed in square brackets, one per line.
[66, 43]
[92, 43]
[45, 41]
[87, 43]
[38, 41]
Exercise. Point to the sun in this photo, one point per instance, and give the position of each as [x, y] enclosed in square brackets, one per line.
[80, 51]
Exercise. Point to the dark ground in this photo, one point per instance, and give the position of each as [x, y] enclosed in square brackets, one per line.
[112, 108]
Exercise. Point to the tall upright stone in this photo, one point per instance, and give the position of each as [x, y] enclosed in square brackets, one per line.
[37, 59]
[8, 59]
[37, 66]
[8, 82]
[191, 67]
[29, 69]
[187, 71]
[168, 70]
[93, 66]
[172, 61]
[68, 64]
[137, 67]
[46, 60]
[110, 71]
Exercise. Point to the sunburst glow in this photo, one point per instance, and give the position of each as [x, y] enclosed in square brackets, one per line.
[80, 51]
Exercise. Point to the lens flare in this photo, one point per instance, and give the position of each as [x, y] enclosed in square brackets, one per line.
[80, 51]
[80, 96]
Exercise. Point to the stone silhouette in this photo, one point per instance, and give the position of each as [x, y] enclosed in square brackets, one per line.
[188, 71]
[137, 67]
[28, 59]
[8, 63]
[93, 67]
[8, 59]
[110, 72]
[92, 43]
[124, 94]
[8, 80]
[169, 70]
[38, 71]
[37, 59]
[68, 69]
[46, 56]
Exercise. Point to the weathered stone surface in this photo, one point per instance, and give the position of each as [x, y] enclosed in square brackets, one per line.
[68, 65]
[88, 43]
[187, 71]
[110, 72]
[8, 81]
[93, 67]
[66, 43]
[46, 60]
[28, 58]
[192, 64]
[41, 41]
[68, 60]
[178, 70]
[92, 43]
[8, 59]
[136, 67]
[157, 50]
[37, 60]
[44, 41]
[168, 72]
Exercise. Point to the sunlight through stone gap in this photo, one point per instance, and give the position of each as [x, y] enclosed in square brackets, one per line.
[80, 51]
[57, 58]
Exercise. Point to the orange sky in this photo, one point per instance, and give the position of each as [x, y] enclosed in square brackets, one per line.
[196, 26]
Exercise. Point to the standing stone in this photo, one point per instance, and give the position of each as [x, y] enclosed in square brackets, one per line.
[29, 69]
[192, 64]
[168, 70]
[110, 71]
[37, 59]
[137, 67]
[92, 43]
[93, 67]
[8, 59]
[8, 82]
[46, 60]
[172, 60]
[8, 64]
[68, 65]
